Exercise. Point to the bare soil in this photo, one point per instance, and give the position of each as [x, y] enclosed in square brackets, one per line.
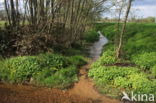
[85, 88]
[29, 94]
[82, 92]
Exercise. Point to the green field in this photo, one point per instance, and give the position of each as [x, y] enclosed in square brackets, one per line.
[139, 49]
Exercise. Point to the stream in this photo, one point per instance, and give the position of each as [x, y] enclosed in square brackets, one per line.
[96, 48]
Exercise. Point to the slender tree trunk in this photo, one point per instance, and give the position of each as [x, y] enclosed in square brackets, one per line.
[119, 49]
[13, 13]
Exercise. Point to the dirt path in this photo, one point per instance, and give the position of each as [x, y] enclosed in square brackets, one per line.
[85, 88]
[28, 94]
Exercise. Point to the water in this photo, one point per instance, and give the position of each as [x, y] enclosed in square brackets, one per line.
[97, 47]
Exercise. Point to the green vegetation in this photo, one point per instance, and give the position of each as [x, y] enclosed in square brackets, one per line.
[107, 58]
[138, 48]
[52, 77]
[2, 23]
[19, 69]
[154, 71]
[52, 70]
[91, 36]
[58, 69]
[127, 78]
[145, 60]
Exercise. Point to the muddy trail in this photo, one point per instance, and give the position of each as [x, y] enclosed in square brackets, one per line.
[86, 88]
[82, 92]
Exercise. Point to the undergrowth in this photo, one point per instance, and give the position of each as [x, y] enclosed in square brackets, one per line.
[51, 70]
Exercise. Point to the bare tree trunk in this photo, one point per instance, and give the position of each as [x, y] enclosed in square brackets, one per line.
[7, 11]
[116, 38]
[13, 13]
[119, 49]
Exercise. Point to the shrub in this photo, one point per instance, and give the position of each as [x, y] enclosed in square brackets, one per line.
[145, 60]
[59, 79]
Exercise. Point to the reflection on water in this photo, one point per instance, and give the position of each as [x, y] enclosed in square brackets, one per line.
[97, 47]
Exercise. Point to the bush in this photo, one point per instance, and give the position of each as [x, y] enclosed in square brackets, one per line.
[59, 79]
[145, 60]
[91, 36]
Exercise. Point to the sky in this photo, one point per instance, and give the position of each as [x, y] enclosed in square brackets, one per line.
[142, 8]
[145, 8]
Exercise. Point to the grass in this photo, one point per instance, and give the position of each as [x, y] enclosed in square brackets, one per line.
[139, 48]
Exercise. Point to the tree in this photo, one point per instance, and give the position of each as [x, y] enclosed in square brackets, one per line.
[119, 49]
[64, 20]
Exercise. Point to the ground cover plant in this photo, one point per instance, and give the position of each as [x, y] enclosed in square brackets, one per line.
[51, 70]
